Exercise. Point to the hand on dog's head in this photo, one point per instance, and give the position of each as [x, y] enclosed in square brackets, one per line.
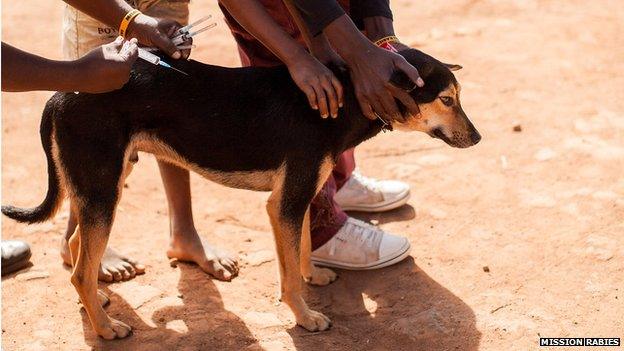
[435, 74]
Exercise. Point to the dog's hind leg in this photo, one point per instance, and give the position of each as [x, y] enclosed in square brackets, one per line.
[93, 232]
[312, 274]
[73, 245]
[95, 186]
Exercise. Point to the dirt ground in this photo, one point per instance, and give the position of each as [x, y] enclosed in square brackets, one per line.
[542, 208]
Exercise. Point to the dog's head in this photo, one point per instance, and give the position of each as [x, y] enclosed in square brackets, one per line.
[441, 115]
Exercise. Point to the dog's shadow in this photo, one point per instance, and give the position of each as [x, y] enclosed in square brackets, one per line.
[205, 323]
[394, 308]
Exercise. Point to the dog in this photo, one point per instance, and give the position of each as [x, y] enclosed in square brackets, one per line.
[248, 128]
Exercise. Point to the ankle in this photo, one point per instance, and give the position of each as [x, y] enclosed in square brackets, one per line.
[183, 234]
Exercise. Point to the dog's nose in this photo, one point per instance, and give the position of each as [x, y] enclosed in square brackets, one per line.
[475, 137]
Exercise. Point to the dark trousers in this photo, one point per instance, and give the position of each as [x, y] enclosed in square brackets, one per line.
[326, 217]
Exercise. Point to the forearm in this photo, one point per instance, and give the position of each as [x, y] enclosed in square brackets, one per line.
[378, 27]
[22, 71]
[110, 12]
[254, 18]
[348, 41]
[318, 14]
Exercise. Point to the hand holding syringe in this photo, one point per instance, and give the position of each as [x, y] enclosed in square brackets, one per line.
[182, 35]
[155, 60]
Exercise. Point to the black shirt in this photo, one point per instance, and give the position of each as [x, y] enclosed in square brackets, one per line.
[317, 14]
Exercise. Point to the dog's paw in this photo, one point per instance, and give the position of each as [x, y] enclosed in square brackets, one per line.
[314, 321]
[114, 330]
[322, 276]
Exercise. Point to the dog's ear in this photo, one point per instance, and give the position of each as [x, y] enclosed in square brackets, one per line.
[400, 79]
[453, 67]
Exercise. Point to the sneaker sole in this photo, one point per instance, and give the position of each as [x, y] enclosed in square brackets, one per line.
[382, 207]
[375, 265]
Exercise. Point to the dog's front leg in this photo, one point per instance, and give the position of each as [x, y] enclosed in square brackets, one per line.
[287, 224]
[312, 274]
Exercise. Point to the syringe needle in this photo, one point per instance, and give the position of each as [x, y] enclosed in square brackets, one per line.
[186, 74]
[164, 64]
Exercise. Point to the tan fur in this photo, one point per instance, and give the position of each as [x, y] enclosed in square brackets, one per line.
[289, 258]
[254, 180]
[436, 115]
[64, 185]
[312, 274]
[432, 114]
[91, 242]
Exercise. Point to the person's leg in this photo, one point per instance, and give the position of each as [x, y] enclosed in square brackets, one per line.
[113, 266]
[344, 242]
[81, 34]
[328, 220]
[185, 243]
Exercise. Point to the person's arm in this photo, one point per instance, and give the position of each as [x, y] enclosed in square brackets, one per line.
[375, 18]
[148, 30]
[370, 66]
[322, 88]
[103, 69]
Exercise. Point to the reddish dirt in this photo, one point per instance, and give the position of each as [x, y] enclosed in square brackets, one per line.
[542, 208]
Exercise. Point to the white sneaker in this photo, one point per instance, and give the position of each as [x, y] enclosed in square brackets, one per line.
[365, 194]
[359, 245]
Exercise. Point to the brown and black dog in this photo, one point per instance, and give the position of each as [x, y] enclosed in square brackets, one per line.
[247, 128]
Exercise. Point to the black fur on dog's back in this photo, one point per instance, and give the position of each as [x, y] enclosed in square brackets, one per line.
[249, 119]
[221, 119]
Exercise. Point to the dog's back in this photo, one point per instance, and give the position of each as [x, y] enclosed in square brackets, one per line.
[224, 119]
[235, 126]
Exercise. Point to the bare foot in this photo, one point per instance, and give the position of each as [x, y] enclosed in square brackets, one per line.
[189, 247]
[114, 266]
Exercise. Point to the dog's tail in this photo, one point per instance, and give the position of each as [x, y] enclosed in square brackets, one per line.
[54, 196]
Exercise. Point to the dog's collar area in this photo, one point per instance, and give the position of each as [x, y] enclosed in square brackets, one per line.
[385, 125]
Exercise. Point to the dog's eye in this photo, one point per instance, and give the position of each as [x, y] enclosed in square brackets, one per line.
[447, 100]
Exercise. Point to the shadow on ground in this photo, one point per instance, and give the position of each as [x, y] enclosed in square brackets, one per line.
[394, 308]
[401, 214]
[210, 326]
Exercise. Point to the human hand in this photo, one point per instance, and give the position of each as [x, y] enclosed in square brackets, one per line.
[157, 32]
[105, 68]
[320, 85]
[371, 71]
[322, 50]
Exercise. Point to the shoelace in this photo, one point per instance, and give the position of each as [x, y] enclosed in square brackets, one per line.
[369, 184]
[356, 231]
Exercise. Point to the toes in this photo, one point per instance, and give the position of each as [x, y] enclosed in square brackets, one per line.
[105, 276]
[124, 273]
[215, 268]
[314, 321]
[322, 276]
[136, 266]
[128, 267]
[116, 274]
[116, 330]
[121, 329]
[229, 265]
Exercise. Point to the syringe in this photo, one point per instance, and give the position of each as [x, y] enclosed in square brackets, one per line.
[155, 60]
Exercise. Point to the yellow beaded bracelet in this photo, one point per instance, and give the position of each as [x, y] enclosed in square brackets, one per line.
[388, 39]
[125, 22]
